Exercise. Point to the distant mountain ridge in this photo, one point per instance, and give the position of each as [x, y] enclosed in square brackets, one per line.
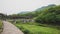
[24, 12]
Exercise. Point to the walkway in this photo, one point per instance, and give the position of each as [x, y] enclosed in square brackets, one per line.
[10, 29]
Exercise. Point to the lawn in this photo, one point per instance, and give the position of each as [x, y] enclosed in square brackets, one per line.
[34, 29]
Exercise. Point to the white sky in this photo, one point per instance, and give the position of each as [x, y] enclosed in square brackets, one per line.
[15, 6]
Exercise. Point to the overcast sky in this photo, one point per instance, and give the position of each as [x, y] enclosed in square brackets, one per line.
[15, 6]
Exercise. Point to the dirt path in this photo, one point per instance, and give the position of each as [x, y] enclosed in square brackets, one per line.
[10, 29]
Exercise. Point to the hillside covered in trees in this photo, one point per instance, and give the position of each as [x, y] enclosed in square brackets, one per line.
[46, 15]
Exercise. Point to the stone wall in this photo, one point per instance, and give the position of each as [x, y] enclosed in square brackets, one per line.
[21, 20]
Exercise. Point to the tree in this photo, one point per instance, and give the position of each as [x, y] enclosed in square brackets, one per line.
[49, 16]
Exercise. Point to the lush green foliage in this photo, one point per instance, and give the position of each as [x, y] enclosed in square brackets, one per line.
[49, 16]
[34, 29]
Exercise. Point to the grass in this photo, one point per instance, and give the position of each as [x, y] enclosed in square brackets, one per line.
[37, 28]
[1, 26]
[34, 29]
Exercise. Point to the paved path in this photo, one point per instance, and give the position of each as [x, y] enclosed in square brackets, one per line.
[10, 29]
